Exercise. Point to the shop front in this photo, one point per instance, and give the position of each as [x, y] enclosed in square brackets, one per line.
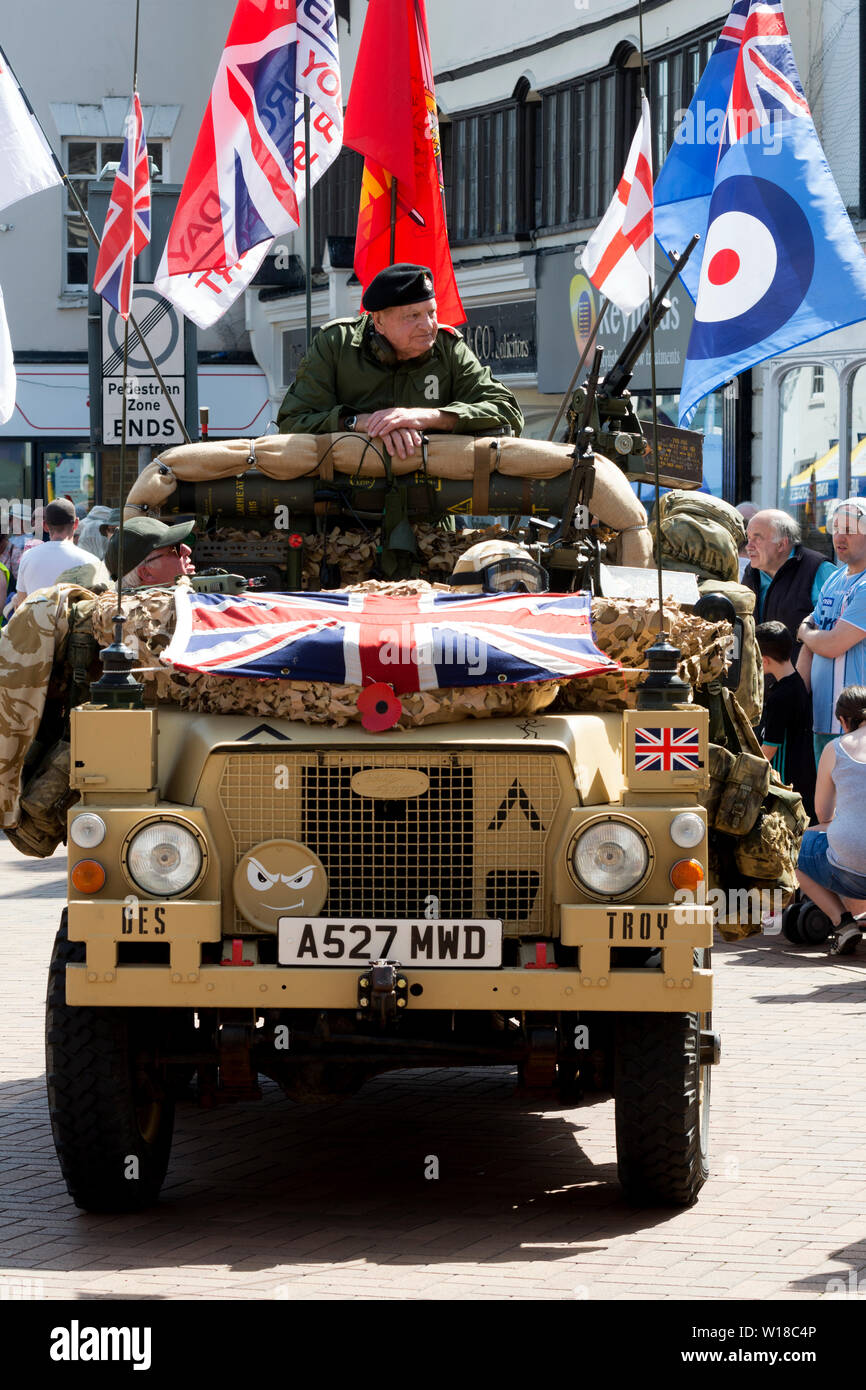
[814, 429]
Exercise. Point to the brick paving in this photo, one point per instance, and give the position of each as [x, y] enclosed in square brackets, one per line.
[280, 1201]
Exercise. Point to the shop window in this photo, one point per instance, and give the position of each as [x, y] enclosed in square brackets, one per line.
[707, 420]
[16, 472]
[809, 450]
[69, 473]
[857, 487]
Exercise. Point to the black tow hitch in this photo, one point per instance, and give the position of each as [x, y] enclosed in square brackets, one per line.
[382, 991]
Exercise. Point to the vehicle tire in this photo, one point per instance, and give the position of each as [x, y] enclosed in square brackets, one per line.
[813, 925]
[662, 1098]
[791, 922]
[112, 1114]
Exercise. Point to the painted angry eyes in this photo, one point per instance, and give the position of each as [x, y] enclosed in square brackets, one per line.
[259, 878]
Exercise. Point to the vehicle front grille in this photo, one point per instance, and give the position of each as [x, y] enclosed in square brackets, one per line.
[471, 845]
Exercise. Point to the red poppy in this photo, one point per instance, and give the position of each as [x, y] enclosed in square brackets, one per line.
[380, 709]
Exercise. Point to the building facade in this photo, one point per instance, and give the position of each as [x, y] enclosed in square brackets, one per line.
[75, 66]
[537, 107]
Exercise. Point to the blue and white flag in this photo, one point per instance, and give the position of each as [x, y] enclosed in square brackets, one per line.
[425, 641]
[780, 263]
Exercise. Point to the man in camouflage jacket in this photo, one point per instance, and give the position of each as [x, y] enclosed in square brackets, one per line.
[394, 372]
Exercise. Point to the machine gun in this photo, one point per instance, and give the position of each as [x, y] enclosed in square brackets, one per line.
[618, 432]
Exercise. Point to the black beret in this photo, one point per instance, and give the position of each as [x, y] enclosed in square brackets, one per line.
[399, 284]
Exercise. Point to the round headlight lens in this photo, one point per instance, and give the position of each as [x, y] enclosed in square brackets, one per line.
[687, 830]
[87, 830]
[610, 857]
[164, 859]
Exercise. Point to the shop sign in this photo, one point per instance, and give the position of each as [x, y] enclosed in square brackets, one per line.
[568, 308]
[502, 336]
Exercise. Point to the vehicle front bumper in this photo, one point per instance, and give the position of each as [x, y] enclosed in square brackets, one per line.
[677, 985]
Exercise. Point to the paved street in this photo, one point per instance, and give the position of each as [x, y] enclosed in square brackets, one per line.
[280, 1201]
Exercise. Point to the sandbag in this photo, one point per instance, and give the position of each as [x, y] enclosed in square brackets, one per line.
[459, 457]
[700, 533]
[750, 690]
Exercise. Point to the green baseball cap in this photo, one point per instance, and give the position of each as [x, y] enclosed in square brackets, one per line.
[140, 536]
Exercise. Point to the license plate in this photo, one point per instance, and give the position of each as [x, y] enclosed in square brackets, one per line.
[347, 941]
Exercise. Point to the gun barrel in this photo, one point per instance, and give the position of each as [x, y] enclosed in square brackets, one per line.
[619, 375]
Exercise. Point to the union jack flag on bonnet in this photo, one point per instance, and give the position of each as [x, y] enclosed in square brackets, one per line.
[127, 222]
[423, 642]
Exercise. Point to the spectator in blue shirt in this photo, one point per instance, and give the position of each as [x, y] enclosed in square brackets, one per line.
[834, 635]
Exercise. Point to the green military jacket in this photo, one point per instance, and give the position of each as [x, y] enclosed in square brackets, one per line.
[350, 368]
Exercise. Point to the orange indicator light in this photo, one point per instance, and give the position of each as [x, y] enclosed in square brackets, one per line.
[87, 876]
[687, 873]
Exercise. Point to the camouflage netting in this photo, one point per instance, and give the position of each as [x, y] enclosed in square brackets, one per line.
[355, 552]
[624, 629]
[151, 623]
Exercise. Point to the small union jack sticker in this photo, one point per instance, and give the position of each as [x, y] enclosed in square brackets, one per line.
[667, 750]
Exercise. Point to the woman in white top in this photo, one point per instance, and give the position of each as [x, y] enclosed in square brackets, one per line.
[831, 868]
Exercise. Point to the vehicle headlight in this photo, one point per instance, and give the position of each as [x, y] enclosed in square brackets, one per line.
[687, 830]
[87, 830]
[164, 858]
[610, 857]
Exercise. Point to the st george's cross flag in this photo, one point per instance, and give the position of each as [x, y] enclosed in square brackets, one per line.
[127, 222]
[781, 263]
[619, 257]
[246, 175]
[422, 642]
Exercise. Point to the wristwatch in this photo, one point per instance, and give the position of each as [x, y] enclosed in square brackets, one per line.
[351, 422]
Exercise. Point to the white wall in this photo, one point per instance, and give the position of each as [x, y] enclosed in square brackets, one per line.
[82, 52]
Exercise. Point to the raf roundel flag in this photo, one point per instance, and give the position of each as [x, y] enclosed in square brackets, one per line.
[781, 263]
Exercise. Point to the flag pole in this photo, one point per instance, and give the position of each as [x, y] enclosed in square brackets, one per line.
[583, 356]
[308, 230]
[123, 399]
[652, 347]
[94, 236]
[393, 219]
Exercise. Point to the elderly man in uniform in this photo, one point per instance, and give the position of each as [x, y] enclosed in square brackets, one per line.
[153, 553]
[395, 372]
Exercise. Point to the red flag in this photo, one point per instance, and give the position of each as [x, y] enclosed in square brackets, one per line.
[391, 120]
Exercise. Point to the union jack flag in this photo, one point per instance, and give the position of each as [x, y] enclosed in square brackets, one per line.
[667, 750]
[766, 85]
[422, 642]
[127, 222]
[247, 170]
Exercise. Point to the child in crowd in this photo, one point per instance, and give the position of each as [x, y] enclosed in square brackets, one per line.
[832, 864]
[786, 725]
